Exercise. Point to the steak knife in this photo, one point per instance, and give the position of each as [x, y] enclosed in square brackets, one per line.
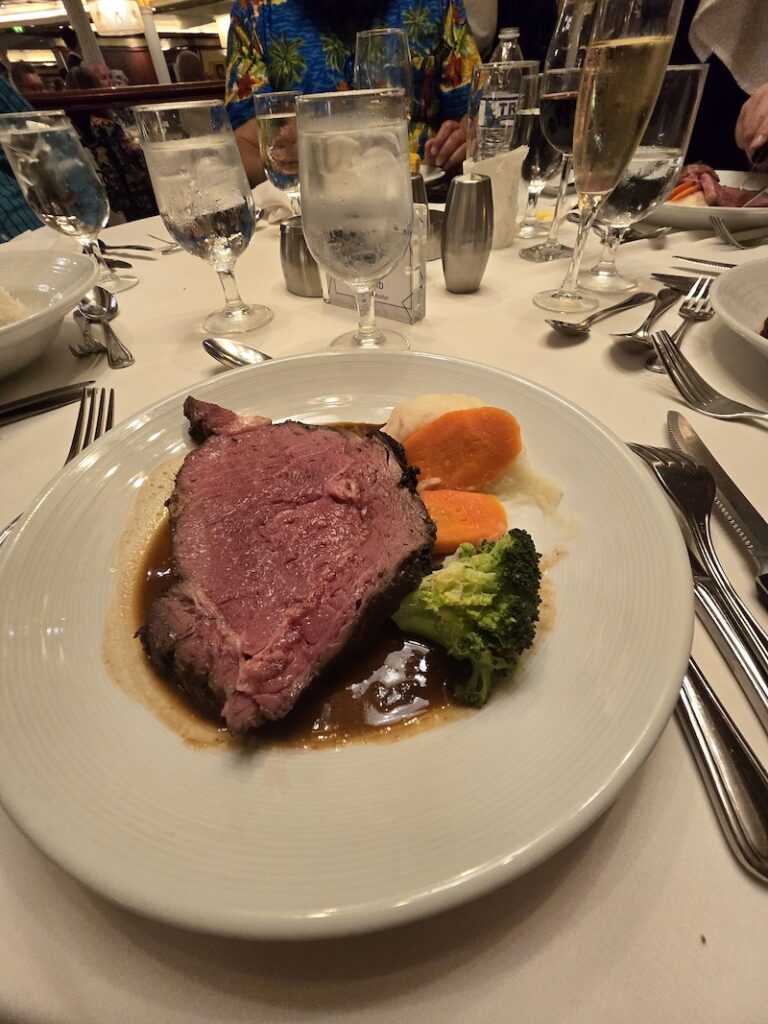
[21, 408]
[749, 526]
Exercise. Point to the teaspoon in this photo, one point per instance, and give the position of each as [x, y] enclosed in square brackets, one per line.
[582, 327]
[233, 353]
[100, 306]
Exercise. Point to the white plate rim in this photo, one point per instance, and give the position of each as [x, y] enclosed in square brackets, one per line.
[721, 284]
[375, 915]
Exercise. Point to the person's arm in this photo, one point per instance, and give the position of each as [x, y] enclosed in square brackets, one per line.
[247, 139]
[448, 147]
[246, 73]
[752, 125]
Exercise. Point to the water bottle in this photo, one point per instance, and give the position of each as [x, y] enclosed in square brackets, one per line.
[508, 46]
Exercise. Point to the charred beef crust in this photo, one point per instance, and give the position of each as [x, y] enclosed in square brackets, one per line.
[189, 638]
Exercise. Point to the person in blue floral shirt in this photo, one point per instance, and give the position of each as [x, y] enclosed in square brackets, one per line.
[308, 46]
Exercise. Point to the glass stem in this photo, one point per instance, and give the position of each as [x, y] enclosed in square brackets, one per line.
[232, 300]
[557, 216]
[367, 333]
[606, 265]
[530, 208]
[588, 207]
[107, 276]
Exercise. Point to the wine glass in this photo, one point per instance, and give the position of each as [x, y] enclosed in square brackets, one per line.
[540, 163]
[623, 70]
[383, 61]
[651, 173]
[356, 195]
[276, 122]
[59, 181]
[203, 196]
[562, 77]
[494, 99]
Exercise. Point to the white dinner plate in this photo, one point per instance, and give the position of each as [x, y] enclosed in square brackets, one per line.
[740, 297]
[697, 218]
[288, 842]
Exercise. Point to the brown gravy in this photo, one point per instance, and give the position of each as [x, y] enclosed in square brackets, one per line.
[394, 685]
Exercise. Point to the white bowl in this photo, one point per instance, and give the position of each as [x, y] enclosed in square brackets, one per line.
[49, 285]
[740, 298]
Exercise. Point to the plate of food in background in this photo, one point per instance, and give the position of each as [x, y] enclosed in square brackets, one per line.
[702, 193]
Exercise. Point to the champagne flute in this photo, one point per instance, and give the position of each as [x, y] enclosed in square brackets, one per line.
[59, 181]
[623, 70]
[383, 61]
[356, 195]
[651, 173]
[203, 196]
[276, 122]
[562, 78]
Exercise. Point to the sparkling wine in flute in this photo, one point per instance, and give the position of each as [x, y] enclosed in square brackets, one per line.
[620, 83]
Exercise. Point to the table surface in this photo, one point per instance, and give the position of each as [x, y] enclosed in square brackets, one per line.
[645, 917]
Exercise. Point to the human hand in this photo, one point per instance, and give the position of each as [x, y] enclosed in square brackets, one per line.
[752, 125]
[448, 148]
[284, 152]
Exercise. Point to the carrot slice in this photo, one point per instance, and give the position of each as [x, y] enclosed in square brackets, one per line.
[684, 190]
[466, 449]
[464, 516]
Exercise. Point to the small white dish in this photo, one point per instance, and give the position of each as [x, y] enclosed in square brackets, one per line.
[740, 298]
[697, 218]
[49, 285]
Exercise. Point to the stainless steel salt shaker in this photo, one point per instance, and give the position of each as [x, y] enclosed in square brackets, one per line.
[301, 272]
[467, 232]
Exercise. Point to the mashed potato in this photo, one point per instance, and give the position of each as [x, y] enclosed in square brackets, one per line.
[11, 309]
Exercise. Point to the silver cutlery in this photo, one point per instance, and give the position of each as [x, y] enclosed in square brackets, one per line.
[582, 327]
[681, 282]
[22, 408]
[692, 490]
[695, 391]
[88, 345]
[696, 307]
[640, 338]
[100, 306]
[748, 525]
[724, 233]
[119, 248]
[736, 782]
[233, 353]
[168, 245]
[706, 263]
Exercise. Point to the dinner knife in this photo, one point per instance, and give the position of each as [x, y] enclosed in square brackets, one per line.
[21, 408]
[747, 523]
[678, 281]
[705, 263]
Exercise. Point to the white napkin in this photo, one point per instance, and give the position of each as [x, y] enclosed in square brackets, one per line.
[43, 239]
[736, 31]
[505, 174]
[274, 202]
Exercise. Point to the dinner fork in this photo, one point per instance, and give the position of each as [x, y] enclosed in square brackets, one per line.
[696, 392]
[695, 308]
[691, 487]
[93, 419]
[724, 233]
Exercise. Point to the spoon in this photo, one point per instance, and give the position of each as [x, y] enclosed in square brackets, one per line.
[99, 307]
[233, 353]
[640, 339]
[582, 327]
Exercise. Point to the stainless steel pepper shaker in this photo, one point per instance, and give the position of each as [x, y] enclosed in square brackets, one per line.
[301, 272]
[467, 232]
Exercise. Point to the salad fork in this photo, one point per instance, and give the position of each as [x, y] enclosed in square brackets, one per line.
[696, 307]
[696, 392]
[724, 233]
[691, 487]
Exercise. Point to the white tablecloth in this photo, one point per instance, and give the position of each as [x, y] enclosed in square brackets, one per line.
[646, 917]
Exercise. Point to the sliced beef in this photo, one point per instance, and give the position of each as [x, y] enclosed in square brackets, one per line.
[290, 542]
[717, 194]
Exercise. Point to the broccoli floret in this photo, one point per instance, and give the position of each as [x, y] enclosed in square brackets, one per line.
[482, 606]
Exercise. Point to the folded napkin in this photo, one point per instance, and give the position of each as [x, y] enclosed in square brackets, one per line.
[505, 174]
[272, 201]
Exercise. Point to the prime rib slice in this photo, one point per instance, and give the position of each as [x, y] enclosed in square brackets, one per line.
[289, 543]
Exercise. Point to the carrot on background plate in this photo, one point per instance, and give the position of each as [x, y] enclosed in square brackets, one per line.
[464, 450]
[464, 516]
[684, 190]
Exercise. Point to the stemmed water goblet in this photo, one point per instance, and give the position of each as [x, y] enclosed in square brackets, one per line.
[623, 70]
[276, 122]
[59, 182]
[651, 173]
[203, 196]
[540, 163]
[356, 195]
[383, 61]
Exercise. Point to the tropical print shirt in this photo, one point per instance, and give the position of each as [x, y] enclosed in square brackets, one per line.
[15, 215]
[274, 45]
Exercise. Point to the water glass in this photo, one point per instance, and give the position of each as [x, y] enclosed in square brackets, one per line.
[276, 123]
[356, 195]
[203, 196]
[652, 171]
[383, 61]
[59, 182]
[493, 106]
